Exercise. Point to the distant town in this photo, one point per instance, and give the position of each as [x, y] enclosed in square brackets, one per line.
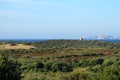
[101, 37]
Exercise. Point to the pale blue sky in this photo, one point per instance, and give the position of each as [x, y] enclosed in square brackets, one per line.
[58, 19]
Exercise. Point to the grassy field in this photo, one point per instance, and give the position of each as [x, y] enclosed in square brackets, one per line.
[17, 46]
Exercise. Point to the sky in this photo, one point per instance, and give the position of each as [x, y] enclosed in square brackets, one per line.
[58, 19]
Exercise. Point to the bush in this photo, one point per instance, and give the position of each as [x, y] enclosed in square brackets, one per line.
[96, 62]
[109, 73]
[63, 67]
[9, 69]
[108, 62]
[39, 65]
[48, 67]
[13, 44]
[86, 63]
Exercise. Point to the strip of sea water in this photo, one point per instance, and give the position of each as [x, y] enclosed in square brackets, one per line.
[38, 40]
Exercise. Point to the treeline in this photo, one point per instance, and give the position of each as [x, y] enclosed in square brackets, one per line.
[68, 44]
[75, 44]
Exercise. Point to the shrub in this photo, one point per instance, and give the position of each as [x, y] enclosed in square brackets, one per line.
[13, 44]
[109, 73]
[39, 65]
[108, 62]
[63, 67]
[48, 67]
[9, 69]
[96, 62]
[86, 63]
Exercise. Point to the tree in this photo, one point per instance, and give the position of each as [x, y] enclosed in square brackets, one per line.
[9, 69]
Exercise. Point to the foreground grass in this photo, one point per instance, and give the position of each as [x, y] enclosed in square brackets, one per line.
[77, 74]
[107, 73]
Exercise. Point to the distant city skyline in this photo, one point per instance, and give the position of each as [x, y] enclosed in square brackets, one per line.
[58, 19]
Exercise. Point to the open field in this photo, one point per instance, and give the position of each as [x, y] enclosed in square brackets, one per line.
[17, 46]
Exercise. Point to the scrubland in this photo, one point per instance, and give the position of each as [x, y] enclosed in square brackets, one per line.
[61, 60]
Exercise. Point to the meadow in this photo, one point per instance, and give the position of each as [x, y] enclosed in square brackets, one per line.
[60, 60]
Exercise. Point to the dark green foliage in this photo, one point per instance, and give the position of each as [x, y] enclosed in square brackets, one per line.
[30, 65]
[13, 44]
[46, 67]
[96, 61]
[92, 54]
[74, 44]
[67, 68]
[86, 63]
[28, 43]
[9, 69]
[39, 65]
[64, 67]
[49, 66]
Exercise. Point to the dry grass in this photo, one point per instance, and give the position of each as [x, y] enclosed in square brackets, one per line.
[18, 46]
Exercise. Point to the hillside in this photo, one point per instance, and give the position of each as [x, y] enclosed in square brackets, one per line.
[66, 59]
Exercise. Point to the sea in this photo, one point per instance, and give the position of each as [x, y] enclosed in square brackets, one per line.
[38, 40]
[22, 40]
[112, 40]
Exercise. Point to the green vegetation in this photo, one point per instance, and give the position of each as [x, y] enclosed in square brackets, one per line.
[9, 68]
[61, 60]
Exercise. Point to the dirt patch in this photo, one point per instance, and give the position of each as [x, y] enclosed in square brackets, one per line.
[18, 46]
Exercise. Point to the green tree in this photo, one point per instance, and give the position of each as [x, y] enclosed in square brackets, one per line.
[9, 69]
